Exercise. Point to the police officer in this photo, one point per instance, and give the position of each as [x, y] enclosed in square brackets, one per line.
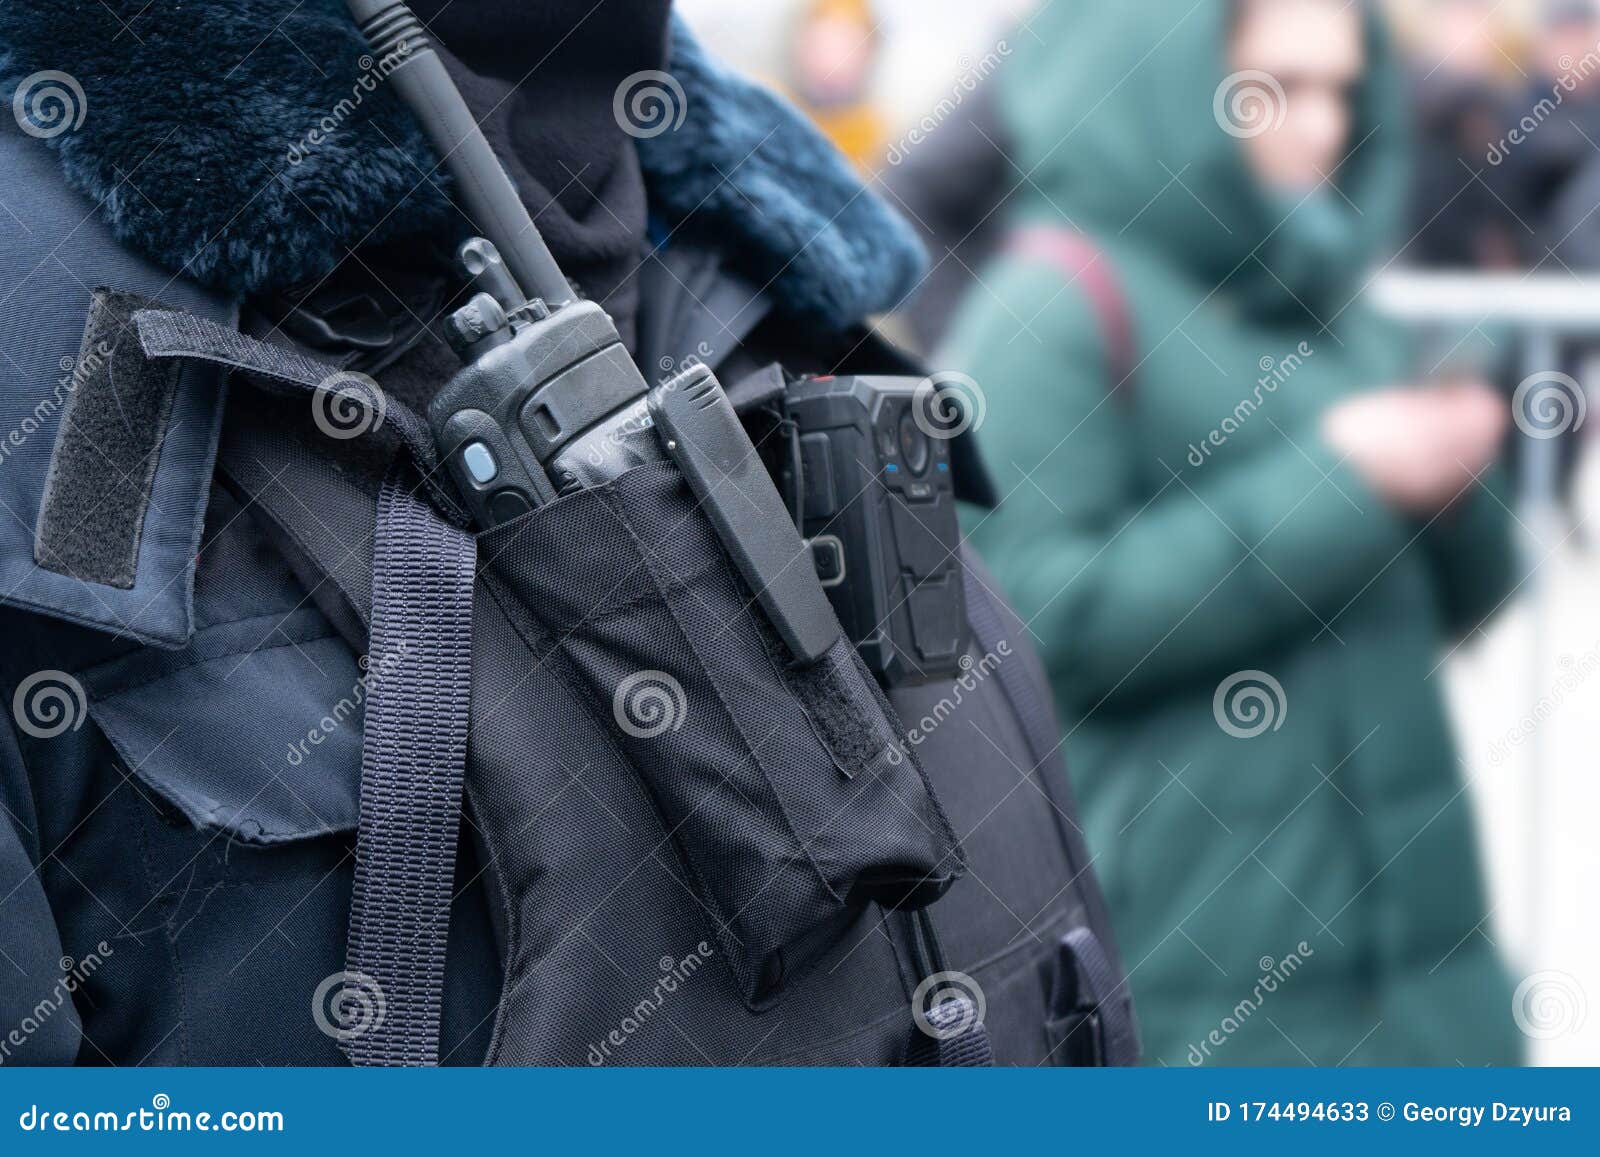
[187, 556]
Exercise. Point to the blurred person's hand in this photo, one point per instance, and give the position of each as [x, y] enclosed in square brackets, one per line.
[1419, 447]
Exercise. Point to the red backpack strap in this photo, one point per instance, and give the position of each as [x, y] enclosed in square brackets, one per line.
[1080, 261]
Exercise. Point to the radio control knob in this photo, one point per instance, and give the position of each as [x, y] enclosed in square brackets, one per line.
[480, 318]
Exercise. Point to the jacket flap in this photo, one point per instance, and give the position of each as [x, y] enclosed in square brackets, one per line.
[254, 729]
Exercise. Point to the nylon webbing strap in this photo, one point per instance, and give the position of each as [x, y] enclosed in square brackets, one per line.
[413, 758]
[417, 703]
[352, 404]
[1086, 982]
[953, 1037]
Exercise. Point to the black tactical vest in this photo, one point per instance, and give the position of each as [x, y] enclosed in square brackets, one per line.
[680, 851]
[693, 854]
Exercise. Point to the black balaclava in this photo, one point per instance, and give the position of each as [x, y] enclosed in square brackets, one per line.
[540, 77]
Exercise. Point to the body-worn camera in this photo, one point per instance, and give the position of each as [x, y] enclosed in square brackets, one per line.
[871, 488]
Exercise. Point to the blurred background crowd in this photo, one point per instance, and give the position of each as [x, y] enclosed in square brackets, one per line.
[1443, 232]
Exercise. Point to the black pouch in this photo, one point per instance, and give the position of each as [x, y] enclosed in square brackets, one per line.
[788, 791]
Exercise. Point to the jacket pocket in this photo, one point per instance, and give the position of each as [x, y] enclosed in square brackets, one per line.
[253, 730]
[234, 767]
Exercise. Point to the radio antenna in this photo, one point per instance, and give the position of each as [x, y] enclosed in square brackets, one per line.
[487, 195]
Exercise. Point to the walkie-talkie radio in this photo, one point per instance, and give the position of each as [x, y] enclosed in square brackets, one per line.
[550, 401]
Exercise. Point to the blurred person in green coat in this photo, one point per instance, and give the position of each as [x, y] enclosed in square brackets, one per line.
[1242, 535]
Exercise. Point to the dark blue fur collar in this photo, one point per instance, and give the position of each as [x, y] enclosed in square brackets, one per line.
[193, 107]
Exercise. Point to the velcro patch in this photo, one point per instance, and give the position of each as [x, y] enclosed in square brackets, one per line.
[103, 466]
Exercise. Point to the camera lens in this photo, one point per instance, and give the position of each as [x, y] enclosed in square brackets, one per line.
[914, 446]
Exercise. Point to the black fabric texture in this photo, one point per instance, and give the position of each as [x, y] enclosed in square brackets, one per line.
[273, 459]
[1026, 690]
[784, 836]
[104, 462]
[199, 769]
[612, 954]
[33, 943]
[989, 744]
[417, 704]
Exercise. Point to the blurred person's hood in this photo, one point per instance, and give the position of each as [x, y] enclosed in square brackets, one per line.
[1116, 113]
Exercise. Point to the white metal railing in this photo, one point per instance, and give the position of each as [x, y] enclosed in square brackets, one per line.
[1554, 302]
